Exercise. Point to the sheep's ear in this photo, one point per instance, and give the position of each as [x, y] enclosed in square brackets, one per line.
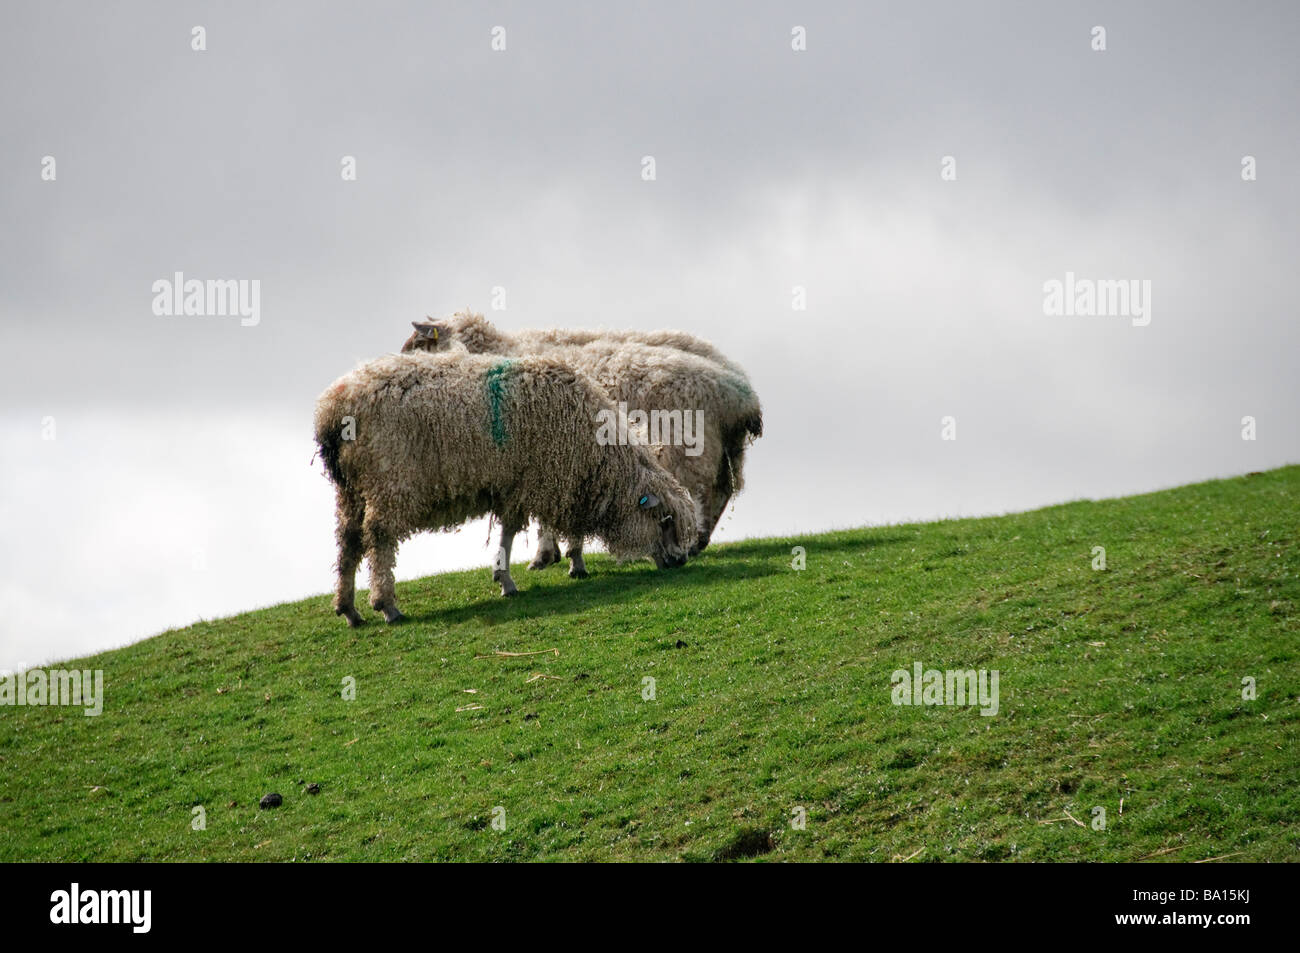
[648, 501]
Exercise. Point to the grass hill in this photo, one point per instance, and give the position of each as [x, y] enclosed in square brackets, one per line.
[772, 692]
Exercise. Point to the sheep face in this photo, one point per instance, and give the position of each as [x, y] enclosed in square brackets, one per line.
[659, 519]
[463, 329]
[428, 336]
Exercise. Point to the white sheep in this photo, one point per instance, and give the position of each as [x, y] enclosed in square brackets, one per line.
[424, 442]
[686, 375]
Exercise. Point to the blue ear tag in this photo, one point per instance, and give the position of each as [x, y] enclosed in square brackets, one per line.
[642, 501]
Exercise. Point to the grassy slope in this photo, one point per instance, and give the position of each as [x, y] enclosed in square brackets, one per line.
[1116, 684]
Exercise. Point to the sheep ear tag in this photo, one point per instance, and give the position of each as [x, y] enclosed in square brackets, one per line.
[648, 501]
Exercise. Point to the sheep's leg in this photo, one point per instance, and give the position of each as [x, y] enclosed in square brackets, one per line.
[381, 557]
[350, 512]
[577, 567]
[501, 562]
[548, 550]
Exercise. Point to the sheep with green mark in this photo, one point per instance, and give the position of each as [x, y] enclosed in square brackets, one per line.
[416, 442]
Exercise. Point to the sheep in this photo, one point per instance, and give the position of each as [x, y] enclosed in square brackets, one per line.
[480, 336]
[649, 371]
[421, 441]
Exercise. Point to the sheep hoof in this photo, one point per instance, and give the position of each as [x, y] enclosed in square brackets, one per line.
[544, 558]
[502, 578]
[507, 593]
[392, 614]
[578, 574]
[353, 617]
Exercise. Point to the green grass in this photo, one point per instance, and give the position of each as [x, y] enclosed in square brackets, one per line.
[773, 691]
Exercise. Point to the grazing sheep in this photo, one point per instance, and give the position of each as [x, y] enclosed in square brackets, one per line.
[676, 372]
[424, 442]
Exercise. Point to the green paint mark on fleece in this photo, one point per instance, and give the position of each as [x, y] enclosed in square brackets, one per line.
[496, 388]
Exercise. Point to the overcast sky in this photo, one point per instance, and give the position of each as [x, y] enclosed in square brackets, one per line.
[178, 484]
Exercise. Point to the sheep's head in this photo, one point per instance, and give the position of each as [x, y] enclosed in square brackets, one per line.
[472, 331]
[429, 336]
[657, 518]
[702, 505]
